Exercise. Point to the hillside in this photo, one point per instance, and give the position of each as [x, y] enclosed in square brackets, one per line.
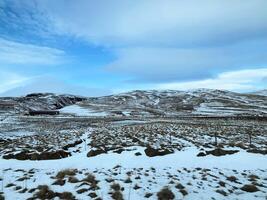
[177, 103]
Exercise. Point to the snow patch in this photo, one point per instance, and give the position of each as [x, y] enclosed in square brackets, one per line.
[80, 111]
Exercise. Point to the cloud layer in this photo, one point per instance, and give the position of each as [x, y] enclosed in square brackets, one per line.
[161, 41]
[160, 23]
[152, 43]
[242, 80]
[49, 84]
[18, 53]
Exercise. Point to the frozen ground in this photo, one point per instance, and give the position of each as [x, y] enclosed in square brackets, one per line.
[136, 145]
[201, 178]
[140, 177]
[80, 111]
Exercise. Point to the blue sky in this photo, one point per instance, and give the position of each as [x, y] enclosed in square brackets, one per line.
[108, 46]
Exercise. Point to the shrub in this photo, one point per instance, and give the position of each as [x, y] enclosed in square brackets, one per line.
[128, 180]
[136, 187]
[253, 177]
[221, 183]
[222, 192]
[115, 187]
[60, 182]
[148, 195]
[165, 194]
[92, 195]
[179, 186]
[117, 195]
[67, 172]
[231, 178]
[184, 192]
[10, 185]
[66, 196]
[83, 190]
[73, 179]
[250, 188]
[44, 193]
[90, 178]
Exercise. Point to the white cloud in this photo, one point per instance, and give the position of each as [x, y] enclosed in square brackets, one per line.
[242, 80]
[154, 41]
[169, 64]
[22, 53]
[48, 84]
[157, 22]
[157, 41]
[9, 80]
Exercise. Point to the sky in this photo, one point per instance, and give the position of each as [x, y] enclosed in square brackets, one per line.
[102, 47]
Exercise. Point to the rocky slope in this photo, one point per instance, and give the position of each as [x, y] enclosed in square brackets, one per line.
[150, 103]
[172, 103]
[261, 92]
[37, 101]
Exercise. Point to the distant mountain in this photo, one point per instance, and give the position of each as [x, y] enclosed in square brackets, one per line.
[261, 92]
[175, 103]
[151, 103]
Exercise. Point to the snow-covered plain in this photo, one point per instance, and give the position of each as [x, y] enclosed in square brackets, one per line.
[123, 126]
[83, 112]
[199, 175]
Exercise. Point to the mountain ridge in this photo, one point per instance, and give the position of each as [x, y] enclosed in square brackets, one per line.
[152, 102]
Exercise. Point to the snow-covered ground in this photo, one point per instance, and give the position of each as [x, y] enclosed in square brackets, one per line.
[16, 134]
[81, 111]
[199, 175]
[142, 122]
[186, 158]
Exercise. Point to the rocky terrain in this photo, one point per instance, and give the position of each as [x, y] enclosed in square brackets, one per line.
[177, 103]
[200, 144]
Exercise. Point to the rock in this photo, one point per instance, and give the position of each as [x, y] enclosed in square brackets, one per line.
[201, 154]
[148, 195]
[138, 154]
[119, 151]
[66, 147]
[92, 195]
[264, 152]
[35, 156]
[151, 152]
[93, 153]
[221, 152]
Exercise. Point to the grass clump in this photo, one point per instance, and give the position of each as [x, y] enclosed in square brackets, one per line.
[67, 172]
[66, 196]
[116, 194]
[44, 193]
[249, 188]
[165, 194]
[73, 179]
[231, 178]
